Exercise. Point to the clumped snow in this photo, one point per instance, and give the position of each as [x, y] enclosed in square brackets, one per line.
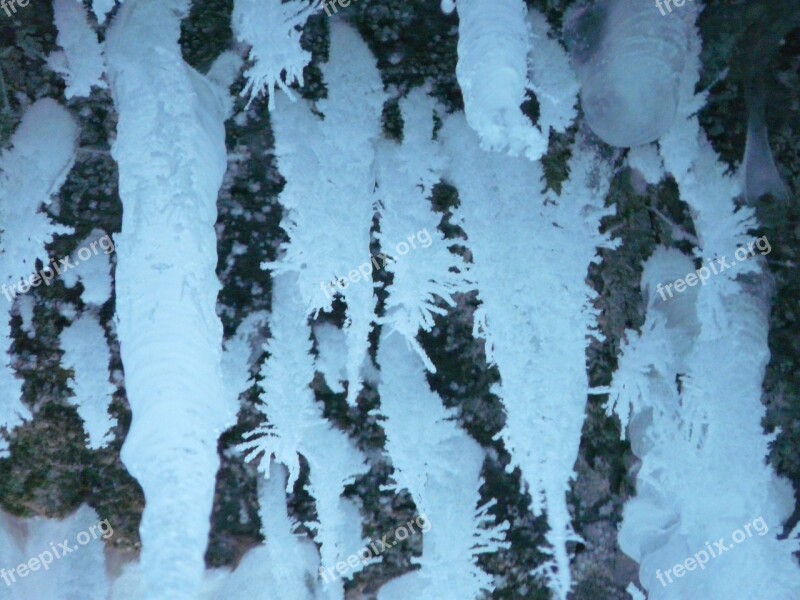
[697, 431]
[428, 274]
[283, 564]
[86, 353]
[329, 215]
[525, 309]
[295, 427]
[94, 273]
[422, 439]
[80, 61]
[551, 77]
[101, 8]
[692, 381]
[272, 28]
[646, 160]
[33, 170]
[492, 71]
[331, 355]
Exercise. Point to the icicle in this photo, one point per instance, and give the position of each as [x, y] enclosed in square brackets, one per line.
[492, 71]
[86, 352]
[629, 63]
[271, 27]
[696, 411]
[425, 270]
[329, 169]
[33, 170]
[81, 62]
[535, 321]
[760, 172]
[171, 152]
[295, 426]
[422, 439]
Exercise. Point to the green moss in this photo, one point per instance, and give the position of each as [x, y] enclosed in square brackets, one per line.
[206, 32]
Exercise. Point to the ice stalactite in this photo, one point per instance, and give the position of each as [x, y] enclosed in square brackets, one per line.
[33, 170]
[80, 61]
[629, 60]
[691, 384]
[492, 71]
[295, 427]
[421, 435]
[535, 321]
[426, 272]
[330, 179]
[86, 352]
[760, 172]
[422, 439]
[171, 153]
[271, 27]
[690, 409]
[284, 565]
[84, 342]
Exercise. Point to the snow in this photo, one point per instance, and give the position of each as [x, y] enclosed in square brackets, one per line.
[295, 426]
[421, 440]
[328, 197]
[551, 77]
[24, 307]
[635, 593]
[75, 574]
[171, 153]
[702, 475]
[272, 30]
[41, 155]
[280, 565]
[646, 160]
[430, 273]
[101, 8]
[86, 353]
[240, 355]
[535, 320]
[492, 71]
[33, 170]
[224, 71]
[331, 355]
[687, 391]
[95, 272]
[692, 381]
[81, 61]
